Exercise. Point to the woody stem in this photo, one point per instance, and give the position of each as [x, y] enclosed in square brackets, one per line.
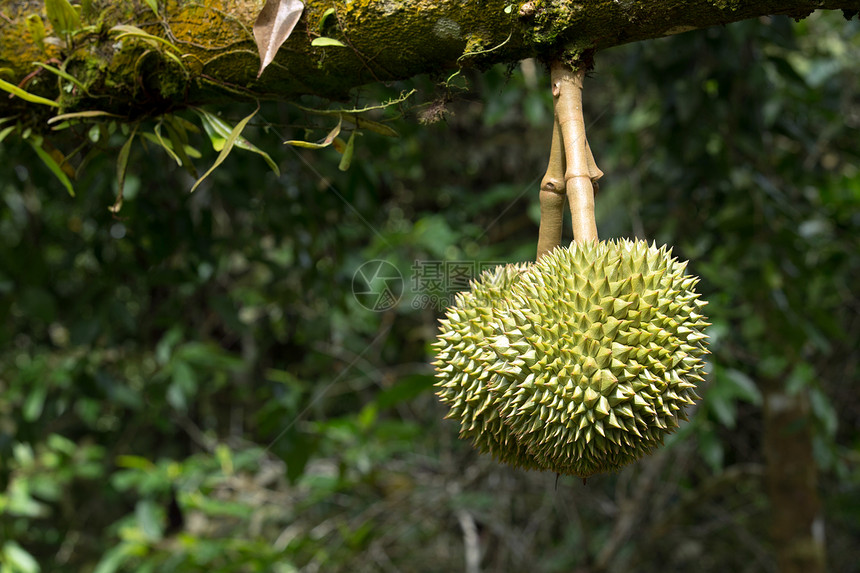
[552, 197]
[580, 169]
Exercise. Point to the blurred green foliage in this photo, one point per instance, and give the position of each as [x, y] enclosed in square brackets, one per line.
[190, 385]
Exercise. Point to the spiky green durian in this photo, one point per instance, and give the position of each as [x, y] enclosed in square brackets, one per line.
[584, 363]
[465, 365]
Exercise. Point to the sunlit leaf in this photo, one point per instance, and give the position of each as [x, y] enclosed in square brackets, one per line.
[225, 458]
[225, 151]
[135, 462]
[219, 130]
[37, 30]
[4, 133]
[323, 18]
[322, 42]
[273, 26]
[18, 559]
[328, 140]
[34, 404]
[148, 520]
[115, 557]
[65, 75]
[153, 5]
[81, 115]
[125, 31]
[346, 160]
[25, 95]
[63, 16]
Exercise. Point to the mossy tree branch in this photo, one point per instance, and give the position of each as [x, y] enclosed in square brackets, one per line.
[213, 56]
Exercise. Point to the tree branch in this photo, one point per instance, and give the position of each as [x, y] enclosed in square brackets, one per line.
[209, 53]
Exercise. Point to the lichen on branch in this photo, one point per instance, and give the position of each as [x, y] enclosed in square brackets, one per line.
[208, 52]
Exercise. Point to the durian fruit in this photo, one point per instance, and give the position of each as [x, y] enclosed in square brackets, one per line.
[579, 363]
[465, 365]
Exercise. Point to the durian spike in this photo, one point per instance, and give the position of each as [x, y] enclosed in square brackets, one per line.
[552, 192]
[580, 169]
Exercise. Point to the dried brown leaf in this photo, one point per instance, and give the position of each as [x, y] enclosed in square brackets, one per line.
[273, 26]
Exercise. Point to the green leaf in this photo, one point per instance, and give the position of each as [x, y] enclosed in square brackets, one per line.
[225, 459]
[405, 389]
[742, 386]
[219, 131]
[323, 42]
[323, 18]
[346, 160]
[114, 557]
[801, 377]
[325, 142]
[183, 384]
[34, 403]
[178, 134]
[147, 518]
[25, 95]
[65, 75]
[711, 449]
[824, 411]
[81, 115]
[153, 5]
[37, 30]
[126, 31]
[135, 462]
[121, 169]
[723, 407]
[352, 117]
[296, 448]
[227, 148]
[156, 138]
[53, 166]
[19, 560]
[370, 125]
[4, 133]
[63, 16]
[87, 8]
[208, 355]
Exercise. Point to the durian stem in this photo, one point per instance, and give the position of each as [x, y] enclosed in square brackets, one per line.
[581, 171]
[552, 191]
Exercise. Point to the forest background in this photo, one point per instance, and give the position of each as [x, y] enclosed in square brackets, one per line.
[197, 382]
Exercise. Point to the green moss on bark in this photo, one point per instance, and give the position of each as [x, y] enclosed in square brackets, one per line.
[385, 40]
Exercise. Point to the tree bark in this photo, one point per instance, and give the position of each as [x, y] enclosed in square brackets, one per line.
[213, 56]
[791, 476]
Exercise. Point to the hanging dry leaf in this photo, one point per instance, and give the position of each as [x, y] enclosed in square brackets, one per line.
[273, 26]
